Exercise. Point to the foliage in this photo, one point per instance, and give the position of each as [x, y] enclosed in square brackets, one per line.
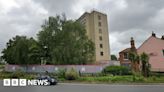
[21, 50]
[116, 70]
[113, 57]
[71, 74]
[112, 79]
[66, 42]
[135, 59]
[60, 41]
[61, 73]
[17, 74]
[145, 65]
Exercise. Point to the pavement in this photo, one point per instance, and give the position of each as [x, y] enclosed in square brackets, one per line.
[75, 87]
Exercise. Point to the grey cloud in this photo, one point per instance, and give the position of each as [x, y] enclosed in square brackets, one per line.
[136, 18]
[22, 20]
[59, 6]
[136, 15]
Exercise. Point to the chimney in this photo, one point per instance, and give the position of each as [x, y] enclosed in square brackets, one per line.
[162, 37]
[153, 34]
[132, 43]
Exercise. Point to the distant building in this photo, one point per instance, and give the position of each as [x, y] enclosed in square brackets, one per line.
[124, 54]
[154, 47]
[97, 30]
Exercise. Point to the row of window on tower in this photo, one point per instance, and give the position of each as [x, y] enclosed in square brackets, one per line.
[100, 32]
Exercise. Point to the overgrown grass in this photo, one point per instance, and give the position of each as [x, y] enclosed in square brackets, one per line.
[121, 79]
[18, 74]
[91, 79]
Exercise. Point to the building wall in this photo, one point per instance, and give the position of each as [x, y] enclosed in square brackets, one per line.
[91, 22]
[55, 68]
[124, 61]
[154, 48]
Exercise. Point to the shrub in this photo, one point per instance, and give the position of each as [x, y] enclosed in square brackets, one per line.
[116, 70]
[18, 74]
[61, 73]
[71, 74]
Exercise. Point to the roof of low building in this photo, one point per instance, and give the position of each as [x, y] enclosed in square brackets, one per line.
[126, 50]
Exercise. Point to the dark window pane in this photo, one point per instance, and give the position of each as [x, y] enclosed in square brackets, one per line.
[100, 31]
[99, 17]
[100, 38]
[101, 45]
[100, 24]
[101, 53]
[125, 55]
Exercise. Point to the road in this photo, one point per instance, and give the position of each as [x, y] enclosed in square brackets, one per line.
[68, 87]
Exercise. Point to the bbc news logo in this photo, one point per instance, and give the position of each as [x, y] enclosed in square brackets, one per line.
[24, 82]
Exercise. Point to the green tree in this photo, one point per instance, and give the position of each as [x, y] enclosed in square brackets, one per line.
[135, 59]
[66, 42]
[113, 57]
[20, 50]
[145, 65]
[34, 52]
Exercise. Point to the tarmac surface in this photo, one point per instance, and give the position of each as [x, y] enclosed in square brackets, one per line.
[72, 87]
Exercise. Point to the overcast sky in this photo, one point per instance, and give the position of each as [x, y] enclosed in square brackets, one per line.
[126, 18]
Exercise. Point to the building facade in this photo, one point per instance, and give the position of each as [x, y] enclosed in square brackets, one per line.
[124, 54]
[97, 30]
[154, 47]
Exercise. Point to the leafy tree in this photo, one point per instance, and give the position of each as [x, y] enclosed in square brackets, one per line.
[21, 50]
[34, 52]
[145, 65]
[66, 42]
[113, 57]
[135, 59]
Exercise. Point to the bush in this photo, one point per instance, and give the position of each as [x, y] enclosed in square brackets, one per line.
[71, 74]
[116, 70]
[61, 73]
[18, 74]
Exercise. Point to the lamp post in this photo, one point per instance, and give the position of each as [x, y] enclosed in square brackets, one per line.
[46, 54]
[44, 57]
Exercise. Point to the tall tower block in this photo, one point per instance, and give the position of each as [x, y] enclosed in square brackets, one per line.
[96, 26]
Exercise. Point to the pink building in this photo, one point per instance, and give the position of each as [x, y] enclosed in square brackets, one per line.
[154, 47]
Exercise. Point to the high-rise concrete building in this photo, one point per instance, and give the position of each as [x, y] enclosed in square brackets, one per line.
[97, 30]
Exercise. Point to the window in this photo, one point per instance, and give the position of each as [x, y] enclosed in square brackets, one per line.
[101, 53]
[100, 31]
[99, 17]
[163, 52]
[101, 45]
[99, 24]
[100, 38]
[125, 55]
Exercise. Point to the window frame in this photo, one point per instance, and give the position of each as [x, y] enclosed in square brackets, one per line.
[126, 55]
